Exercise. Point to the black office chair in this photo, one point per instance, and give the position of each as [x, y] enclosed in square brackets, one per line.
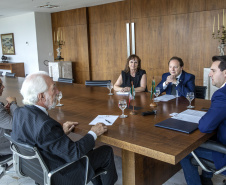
[29, 162]
[100, 83]
[1, 73]
[207, 165]
[4, 164]
[200, 92]
[66, 80]
[12, 75]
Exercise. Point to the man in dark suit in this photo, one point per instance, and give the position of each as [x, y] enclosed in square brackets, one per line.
[177, 81]
[214, 119]
[6, 112]
[33, 125]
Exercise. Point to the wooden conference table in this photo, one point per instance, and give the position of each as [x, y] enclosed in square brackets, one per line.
[150, 155]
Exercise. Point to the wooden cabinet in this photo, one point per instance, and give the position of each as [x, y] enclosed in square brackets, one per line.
[62, 69]
[17, 68]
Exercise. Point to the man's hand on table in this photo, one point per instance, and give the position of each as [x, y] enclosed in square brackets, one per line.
[69, 126]
[99, 129]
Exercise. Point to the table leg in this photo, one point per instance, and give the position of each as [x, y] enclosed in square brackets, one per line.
[141, 170]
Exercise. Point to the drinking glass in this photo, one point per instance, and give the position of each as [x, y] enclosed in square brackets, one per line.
[190, 96]
[59, 96]
[110, 86]
[122, 104]
[157, 92]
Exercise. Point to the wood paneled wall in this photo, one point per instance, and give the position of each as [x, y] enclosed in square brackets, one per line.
[163, 29]
[73, 24]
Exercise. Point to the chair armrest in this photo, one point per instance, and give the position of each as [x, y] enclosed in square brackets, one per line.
[51, 173]
[99, 172]
[215, 146]
[20, 155]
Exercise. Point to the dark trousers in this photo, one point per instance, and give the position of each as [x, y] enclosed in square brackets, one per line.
[191, 173]
[103, 158]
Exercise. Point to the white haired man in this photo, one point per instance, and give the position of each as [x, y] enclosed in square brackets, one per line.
[36, 128]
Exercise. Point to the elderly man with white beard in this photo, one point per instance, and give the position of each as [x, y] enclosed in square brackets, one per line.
[32, 125]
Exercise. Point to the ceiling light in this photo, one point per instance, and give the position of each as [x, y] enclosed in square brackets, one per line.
[48, 6]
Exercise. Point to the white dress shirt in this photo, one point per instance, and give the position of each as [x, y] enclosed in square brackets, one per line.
[178, 78]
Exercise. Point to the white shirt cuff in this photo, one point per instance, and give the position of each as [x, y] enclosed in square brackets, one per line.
[164, 86]
[93, 134]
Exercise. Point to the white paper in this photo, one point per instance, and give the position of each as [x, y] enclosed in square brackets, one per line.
[190, 115]
[122, 93]
[173, 114]
[165, 97]
[106, 119]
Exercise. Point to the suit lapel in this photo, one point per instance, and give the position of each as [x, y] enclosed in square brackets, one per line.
[182, 77]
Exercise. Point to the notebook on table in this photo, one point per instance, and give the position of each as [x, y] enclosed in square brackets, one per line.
[178, 125]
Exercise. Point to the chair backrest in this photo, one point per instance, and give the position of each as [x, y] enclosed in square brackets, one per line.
[100, 83]
[10, 74]
[200, 92]
[1, 73]
[66, 80]
[28, 161]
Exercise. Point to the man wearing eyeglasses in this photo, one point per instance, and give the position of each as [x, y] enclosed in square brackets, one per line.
[6, 112]
[177, 82]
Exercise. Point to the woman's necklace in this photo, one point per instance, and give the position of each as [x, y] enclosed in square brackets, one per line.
[133, 73]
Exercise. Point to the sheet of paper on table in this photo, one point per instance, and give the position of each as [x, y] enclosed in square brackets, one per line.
[122, 93]
[165, 97]
[106, 119]
[190, 115]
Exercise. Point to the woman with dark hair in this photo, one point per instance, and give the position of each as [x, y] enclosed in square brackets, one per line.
[132, 73]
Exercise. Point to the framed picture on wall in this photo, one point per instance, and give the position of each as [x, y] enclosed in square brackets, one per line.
[8, 47]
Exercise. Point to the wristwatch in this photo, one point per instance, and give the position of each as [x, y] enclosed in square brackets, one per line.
[13, 102]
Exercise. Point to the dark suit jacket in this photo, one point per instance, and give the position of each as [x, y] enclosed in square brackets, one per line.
[215, 119]
[5, 126]
[32, 126]
[186, 84]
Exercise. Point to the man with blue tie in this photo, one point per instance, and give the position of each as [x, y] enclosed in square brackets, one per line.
[214, 119]
[177, 81]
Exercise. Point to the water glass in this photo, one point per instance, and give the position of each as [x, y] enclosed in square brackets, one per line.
[59, 96]
[157, 92]
[110, 87]
[122, 104]
[190, 96]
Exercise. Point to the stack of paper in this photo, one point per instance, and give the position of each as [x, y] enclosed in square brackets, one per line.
[165, 97]
[106, 119]
[190, 115]
[122, 93]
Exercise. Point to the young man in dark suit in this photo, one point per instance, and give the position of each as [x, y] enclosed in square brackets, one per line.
[33, 125]
[177, 81]
[214, 119]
